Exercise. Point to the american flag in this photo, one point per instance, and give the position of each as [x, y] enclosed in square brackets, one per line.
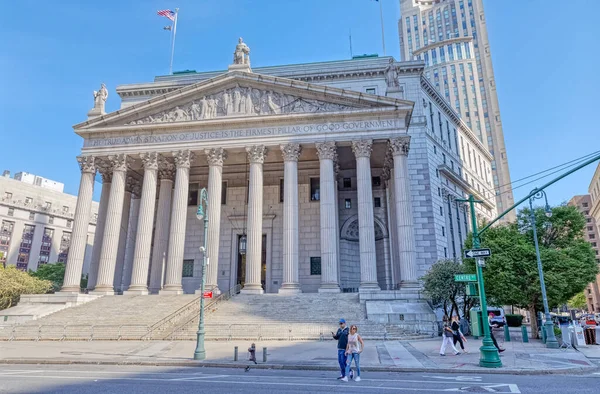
[167, 14]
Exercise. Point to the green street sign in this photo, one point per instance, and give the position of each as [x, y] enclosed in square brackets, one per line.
[465, 278]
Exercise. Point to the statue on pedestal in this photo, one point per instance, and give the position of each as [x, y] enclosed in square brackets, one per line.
[391, 75]
[242, 53]
[100, 97]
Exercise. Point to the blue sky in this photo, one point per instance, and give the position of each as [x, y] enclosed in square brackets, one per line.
[56, 53]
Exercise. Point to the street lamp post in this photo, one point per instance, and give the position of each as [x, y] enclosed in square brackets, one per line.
[488, 354]
[200, 352]
[551, 341]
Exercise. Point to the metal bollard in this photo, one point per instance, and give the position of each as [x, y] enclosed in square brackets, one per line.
[506, 333]
[235, 353]
[544, 334]
[524, 333]
[264, 355]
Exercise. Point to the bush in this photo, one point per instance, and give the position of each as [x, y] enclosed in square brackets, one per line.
[13, 283]
[557, 332]
[514, 320]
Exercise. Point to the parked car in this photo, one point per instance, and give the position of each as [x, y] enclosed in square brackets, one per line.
[499, 319]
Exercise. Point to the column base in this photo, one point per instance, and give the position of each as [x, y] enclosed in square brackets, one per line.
[136, 292]
[409, 284]
[102, 292]
[368, 286]
[290, 288]
[70, 290]
[330, 288]
[252, 289]
[170, 292]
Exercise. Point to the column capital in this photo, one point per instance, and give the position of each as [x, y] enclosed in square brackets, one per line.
[87, 164]
[134, 186]
[216, 156]
[291, 151]
[119, 162]
[166, 169]
[362, 148]
[150, 160]
[183, 158]
[256, 153]
[326, 150]
[400, 145]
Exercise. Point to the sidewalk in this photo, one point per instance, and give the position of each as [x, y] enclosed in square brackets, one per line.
[413, 356]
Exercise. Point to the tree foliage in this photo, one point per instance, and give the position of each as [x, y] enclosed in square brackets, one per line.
[444, 292]
[14, 282]
[511, 273]
[55, 273]
[578, 301]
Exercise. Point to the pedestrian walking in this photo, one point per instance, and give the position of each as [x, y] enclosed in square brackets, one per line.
[447, 338]
[457, 335]
[353, 350]
[252, 353]
[492, 326]
[342, 337]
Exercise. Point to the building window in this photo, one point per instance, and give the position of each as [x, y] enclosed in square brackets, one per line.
[224, 193]
[444, 157]
[63, 251]
[439, 192]
[348, 203]
[376, 181]
[377, 202]
[281, 190]
[585, 204]
[594, 244]
[7, 196]
[11, 212]
[31, 216]
[28, 200]
[315, 189]
[445, 252]
[46, 246]
[437, 173]
[434, 150]
[48, 205]
[65, 209]
[588, 220]
[586, 212]
[441, 211]
[69, 223]
[315, 266]
[592, 236]
[188, 269]
[193, 194]
[347, 183]
[590, 228]
[51, 220]
[371, 91]
[443, 231]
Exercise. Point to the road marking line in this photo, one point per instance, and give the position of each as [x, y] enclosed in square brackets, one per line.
[199, 377]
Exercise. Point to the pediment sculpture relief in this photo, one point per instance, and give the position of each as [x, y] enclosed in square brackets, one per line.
[239, 101]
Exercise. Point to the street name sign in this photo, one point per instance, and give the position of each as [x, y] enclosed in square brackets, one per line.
[470, 253]
[465, 278]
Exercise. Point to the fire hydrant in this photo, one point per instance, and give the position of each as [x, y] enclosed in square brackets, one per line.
[252, 353]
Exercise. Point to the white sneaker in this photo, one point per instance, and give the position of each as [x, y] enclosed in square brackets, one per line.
[357, 379]
[345, 379]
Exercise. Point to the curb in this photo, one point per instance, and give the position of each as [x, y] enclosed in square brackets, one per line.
[202, 364]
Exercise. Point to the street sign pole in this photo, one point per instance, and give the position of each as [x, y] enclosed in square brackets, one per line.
[489, 356]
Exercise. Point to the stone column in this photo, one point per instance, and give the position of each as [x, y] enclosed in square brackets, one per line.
[366, 229]
[134, 215]
[329, 274]
[183, 160]
[106, 173]
[404, 216]
[166, 174]
[216, 156]
[143, 237]
[291, 240]
[112, 227]
[124, 241]
[336, 169]
[81, 222]
[256, 156]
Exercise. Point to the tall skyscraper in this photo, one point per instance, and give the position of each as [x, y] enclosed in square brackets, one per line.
[450, 36]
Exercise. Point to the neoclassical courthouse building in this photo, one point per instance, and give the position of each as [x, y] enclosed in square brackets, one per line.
[321, 177]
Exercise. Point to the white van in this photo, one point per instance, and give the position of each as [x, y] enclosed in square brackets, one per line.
[499, 319]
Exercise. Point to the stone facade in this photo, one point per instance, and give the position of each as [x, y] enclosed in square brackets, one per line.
[592, 215]
[37, 225]
[336, 136]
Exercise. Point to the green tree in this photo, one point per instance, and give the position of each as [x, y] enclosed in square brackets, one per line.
[511, 275]
[444, 292]
[14, 282]
[578, 301]
[55, 273]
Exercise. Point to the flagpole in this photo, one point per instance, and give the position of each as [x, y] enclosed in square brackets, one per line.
[173, 41]
[382, 30]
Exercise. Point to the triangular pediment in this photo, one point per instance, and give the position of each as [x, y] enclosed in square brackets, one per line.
[242, 94]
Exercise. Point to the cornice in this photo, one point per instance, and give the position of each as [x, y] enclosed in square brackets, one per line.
[449, 111]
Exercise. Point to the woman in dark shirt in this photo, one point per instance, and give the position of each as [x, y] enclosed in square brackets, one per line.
[457, 336]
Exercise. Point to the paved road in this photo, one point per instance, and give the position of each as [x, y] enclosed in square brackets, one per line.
[87, 379]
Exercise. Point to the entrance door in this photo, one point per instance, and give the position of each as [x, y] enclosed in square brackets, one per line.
[241, 265]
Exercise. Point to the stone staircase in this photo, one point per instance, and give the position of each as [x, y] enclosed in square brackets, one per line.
[306, 316]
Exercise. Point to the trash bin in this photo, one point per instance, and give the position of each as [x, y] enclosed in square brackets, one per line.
[590, 336]
[476, 323]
